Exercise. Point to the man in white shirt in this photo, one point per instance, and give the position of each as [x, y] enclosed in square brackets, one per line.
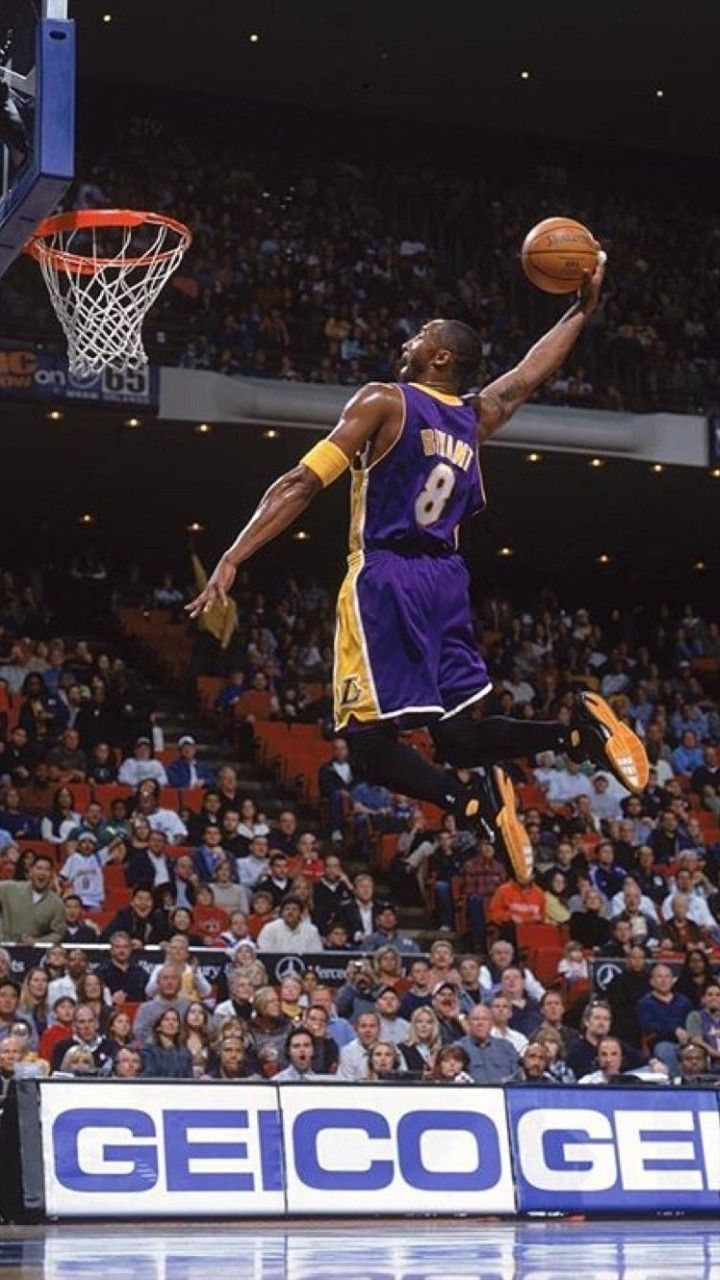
[291, 933]
[501, 1011]
[392, 1027]
[609, 1056]
[630, 898]
[604, 801]
[255, 865]
[354, 1056]
[140, 766]
[567, 784]
[165, 820]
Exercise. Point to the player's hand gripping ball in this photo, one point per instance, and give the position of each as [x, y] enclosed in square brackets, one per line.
[556, 254]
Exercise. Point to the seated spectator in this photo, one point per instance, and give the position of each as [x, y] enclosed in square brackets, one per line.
[604, 801]
[269, 1029]
[187, 771]
[662, 1014]
[444, 866]
[694, 1065]
[78, 930]
[91, 991]
[101, 766]
[68, 976]
[93, 820]
[193, 984]
[609, 1060]
[306, 860]
[371, 809]
[552, 1042]
[452, 1021]
[386, 931]
[68, 758]
[209, 854]
[653, 884]
[573, 966]
[703, 1024]
[86, 1035]
[695, 976]
[300, 1055]
[336, 937]
[332, 893]
[181, 923]
[32, 1005]
[354, 1056]
[326, 1055]
[145, 925]
[556, 895]
[566, 784]
[665, 840]
[128, 1064]
[383, 1062]
[210, 814]
[148, 864]
[140, 766]
[228, 895]
[419, 992]
[502, 955]
[525, 1013]
[256, 865]
[62, 819]
[535, 1064]
[185, 882]
[387, 1004]
[361, 912]
[165, 820]
[240, 1001]
[688, 756]
[165, 1057]
[422, 1042]
[16, 820]
[451, 1065]
[234, 842]
[277, 880]
[491, 1060]
[18, 757]
[262, 912]
[552, 1008]
[605, 875]
[596, 1025]
[639, 912]
[501, 1009]
[233, 1061]
[470, 992]
[169, 996]
[678, 930]
[355, 996]
[705, 776]
[63, 1012]
[291, 933]
[121, 973]
[335, 780]
[78, 1060]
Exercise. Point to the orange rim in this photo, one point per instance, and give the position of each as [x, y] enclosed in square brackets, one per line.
[87, 219]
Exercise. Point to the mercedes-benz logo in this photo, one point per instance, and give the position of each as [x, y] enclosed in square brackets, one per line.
[289, 967]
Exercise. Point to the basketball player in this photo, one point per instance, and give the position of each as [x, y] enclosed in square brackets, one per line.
[405, 652]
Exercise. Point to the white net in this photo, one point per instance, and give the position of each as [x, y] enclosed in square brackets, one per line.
[102, 281]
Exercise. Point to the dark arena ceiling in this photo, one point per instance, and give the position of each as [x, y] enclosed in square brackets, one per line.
[632, 72]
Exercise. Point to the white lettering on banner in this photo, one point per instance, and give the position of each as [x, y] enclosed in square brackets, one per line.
[596, 1155]
[631, 1147]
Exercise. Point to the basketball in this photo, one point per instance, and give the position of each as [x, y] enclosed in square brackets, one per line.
[556, 253]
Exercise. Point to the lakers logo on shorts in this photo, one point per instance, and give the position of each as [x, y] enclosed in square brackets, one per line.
[350, 691]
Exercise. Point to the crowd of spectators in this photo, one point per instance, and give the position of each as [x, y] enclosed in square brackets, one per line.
[121, 862]
[318, 269]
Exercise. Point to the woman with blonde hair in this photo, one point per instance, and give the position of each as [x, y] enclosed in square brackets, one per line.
[269, 1030]
[33, 1002]
[387, 966]
[422, 1042]
[246, 964]
[383, 1061]
[78, 1061]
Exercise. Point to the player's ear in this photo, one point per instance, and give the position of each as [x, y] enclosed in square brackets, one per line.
[442, 358]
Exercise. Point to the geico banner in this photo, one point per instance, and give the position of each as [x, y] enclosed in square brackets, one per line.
[161, 1148]
[615, 1150]
[387, 1148]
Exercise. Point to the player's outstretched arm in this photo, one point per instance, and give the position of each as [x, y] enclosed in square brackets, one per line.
[369, 410]
[498, 401]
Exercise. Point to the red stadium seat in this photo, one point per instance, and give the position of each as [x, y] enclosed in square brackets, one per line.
[106, 792]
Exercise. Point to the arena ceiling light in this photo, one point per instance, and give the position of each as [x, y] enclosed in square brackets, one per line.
[604, 558]
[524, 75]
[254, 38]
[55, 415]
[302, 535]
[133, 422]
[87, 518]
[195, 527]
[203, 428]
[533, 457]
[657, 468]
[270, 434]
[659, 93]
[596, 463]
[506, 552]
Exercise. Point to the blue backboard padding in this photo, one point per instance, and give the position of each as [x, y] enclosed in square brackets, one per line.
[51, 167]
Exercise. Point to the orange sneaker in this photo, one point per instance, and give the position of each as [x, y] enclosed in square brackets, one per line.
[596, 734]
[507, 826]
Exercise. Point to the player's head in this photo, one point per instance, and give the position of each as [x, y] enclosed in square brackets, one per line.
[444, 348]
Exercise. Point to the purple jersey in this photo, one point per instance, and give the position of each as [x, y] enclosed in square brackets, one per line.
[417, 494]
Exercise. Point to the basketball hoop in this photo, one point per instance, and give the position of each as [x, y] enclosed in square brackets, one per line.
[104, 268]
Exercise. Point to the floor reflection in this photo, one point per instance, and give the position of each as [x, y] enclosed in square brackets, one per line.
[360, 1251]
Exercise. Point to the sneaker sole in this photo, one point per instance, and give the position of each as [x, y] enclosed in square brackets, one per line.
[512, 831]
[624, 750]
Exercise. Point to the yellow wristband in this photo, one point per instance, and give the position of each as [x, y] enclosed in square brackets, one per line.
[327, 460]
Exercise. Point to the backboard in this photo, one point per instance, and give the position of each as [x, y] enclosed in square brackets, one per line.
[37, 116]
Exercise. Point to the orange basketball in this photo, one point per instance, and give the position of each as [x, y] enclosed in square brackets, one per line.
[556, 253]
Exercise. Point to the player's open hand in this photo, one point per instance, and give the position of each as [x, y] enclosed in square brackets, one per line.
[216, 590]
[589, 290]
